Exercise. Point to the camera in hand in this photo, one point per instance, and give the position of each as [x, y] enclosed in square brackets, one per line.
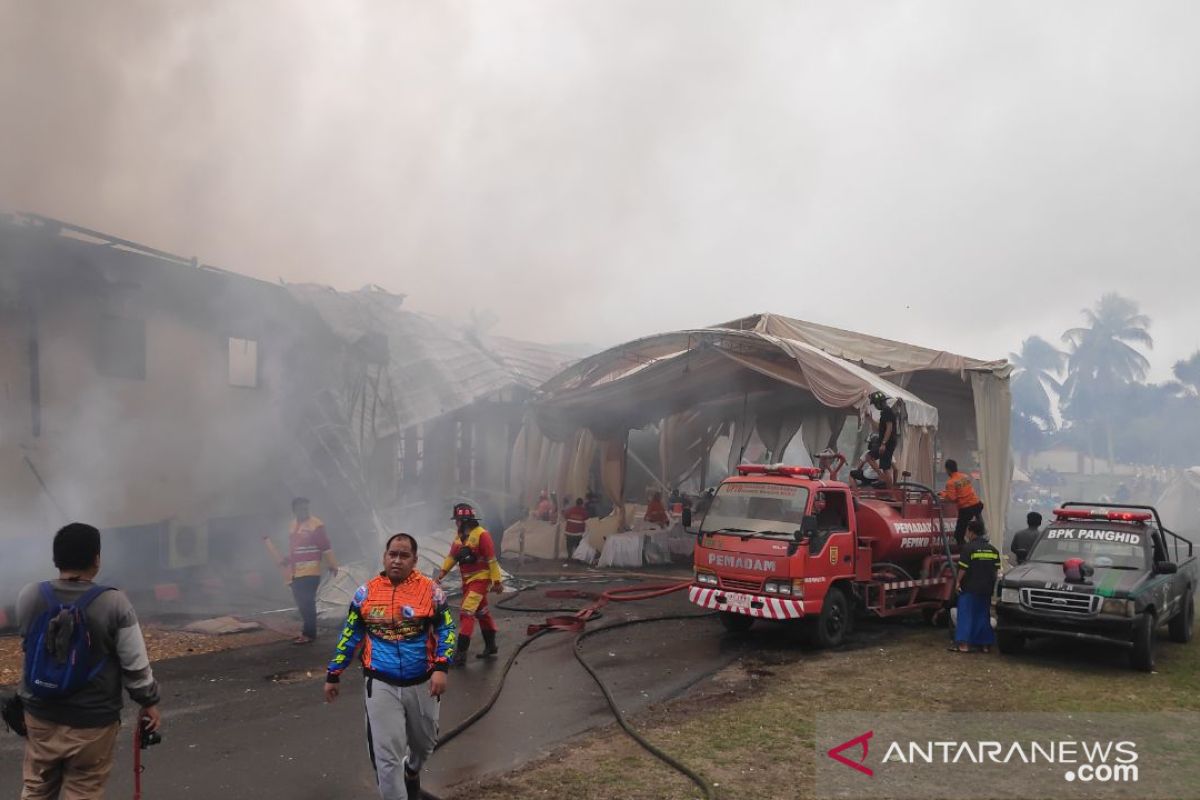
[147, 737]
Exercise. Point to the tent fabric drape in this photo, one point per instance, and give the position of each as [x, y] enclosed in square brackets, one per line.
[916, 455]
[742, 430]
[993, 404]
[612, 475]
[776, 429]
[742, 371]
[872, 351]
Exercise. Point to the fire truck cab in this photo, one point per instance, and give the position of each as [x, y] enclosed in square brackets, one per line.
[777, 542]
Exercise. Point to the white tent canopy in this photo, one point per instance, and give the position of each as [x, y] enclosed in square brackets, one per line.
[769, 376]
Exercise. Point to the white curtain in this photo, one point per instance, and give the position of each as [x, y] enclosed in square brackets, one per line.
[993, 404]
[739, 440]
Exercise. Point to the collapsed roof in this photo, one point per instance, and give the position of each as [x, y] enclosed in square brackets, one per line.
[432, 368]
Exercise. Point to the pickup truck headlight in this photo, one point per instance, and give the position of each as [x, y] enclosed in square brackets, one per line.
[706, 578]
[1008, 595]
[778, 587]
[1121, 608]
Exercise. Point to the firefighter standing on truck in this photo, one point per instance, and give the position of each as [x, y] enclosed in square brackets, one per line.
[961, 492]
[475, 555]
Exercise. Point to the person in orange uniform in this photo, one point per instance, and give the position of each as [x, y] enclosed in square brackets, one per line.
[575, 524]
[656, 512]
[475, 555]
[308, 547]
[961, 492]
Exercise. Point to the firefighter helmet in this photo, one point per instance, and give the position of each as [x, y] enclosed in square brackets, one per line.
[464, 512]
[877, 399]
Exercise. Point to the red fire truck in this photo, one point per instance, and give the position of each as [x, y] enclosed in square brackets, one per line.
[777, 542]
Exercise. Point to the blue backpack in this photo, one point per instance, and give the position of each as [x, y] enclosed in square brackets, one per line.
[59, 655]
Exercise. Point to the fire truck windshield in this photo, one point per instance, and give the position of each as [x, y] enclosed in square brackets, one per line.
[755, 507]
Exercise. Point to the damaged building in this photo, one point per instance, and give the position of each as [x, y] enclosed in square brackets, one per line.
[180, 406]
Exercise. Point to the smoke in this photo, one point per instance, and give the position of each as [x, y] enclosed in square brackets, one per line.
[634, 158]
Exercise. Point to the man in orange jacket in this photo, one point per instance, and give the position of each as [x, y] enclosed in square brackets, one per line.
[475, 555]
[961, 491]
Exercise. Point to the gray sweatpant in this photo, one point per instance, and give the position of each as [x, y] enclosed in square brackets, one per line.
[402, 728]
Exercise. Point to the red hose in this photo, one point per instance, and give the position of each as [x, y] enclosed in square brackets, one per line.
[627, 594]
[137, 761]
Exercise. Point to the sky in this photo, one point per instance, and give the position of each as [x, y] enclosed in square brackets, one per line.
[955, 174]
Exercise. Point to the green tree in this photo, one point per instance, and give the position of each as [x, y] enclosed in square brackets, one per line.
[1035, 371]
[1035, 374]
[1102, 359]
[1187, 372]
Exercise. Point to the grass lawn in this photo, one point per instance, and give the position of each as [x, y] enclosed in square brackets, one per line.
[750, 728]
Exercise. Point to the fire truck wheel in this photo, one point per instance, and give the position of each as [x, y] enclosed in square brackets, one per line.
[1182, 623]
[736, 623]
[1009, 643]
[1141, 657]
[833, 623]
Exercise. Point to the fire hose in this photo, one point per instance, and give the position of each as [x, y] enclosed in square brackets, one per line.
[575, 622]
[138, 769]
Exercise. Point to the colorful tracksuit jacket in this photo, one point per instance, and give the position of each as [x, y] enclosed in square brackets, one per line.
[475, 556]
[408, 628]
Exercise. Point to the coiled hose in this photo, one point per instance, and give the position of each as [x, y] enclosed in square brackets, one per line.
[575, 623]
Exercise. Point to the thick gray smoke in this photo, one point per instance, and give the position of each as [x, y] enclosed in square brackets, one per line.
[956, 174]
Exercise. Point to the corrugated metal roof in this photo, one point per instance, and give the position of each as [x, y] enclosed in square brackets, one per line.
[434, 367]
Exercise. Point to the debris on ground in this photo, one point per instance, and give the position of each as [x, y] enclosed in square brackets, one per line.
[221, 626]
[162, 643]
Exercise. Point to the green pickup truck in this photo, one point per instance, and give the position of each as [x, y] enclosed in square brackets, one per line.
[1102, 573]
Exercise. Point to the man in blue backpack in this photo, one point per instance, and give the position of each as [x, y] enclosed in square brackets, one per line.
[82, 642]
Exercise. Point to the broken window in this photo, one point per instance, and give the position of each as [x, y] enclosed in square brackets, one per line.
[121, 347]
[243, 362]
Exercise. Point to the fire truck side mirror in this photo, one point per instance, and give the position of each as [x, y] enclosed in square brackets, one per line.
[809, 525]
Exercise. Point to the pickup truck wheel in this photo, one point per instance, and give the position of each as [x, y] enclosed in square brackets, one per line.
[1182, 623]
[833, 623]
[1142, 655]
[1009, 643]
[736, 623]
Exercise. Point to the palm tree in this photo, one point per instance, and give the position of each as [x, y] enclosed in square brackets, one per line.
[1036, 367]
[1102, 359]
[1187, 371]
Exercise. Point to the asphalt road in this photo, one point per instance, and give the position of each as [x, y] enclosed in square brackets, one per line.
[232, 731]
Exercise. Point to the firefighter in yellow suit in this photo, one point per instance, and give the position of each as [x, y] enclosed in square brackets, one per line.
[475, 555]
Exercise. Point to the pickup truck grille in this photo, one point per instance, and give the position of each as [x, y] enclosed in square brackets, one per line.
[1062, 602]
[745, 586]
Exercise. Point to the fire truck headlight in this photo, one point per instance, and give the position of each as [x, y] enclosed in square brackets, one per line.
[706, 578]
[778, 587]
[798, 588]
[1121, 608]
[1010, 595]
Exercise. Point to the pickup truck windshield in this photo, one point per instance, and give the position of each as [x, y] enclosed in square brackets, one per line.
[1100, 548]
[757, 507]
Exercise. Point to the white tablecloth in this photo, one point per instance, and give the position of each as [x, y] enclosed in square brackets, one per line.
[622, 550]
[585, 552]
[658, 547]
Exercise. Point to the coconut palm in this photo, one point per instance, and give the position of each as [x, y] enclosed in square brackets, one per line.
[1102, 359]
[1035, 369]
[1187, 371]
